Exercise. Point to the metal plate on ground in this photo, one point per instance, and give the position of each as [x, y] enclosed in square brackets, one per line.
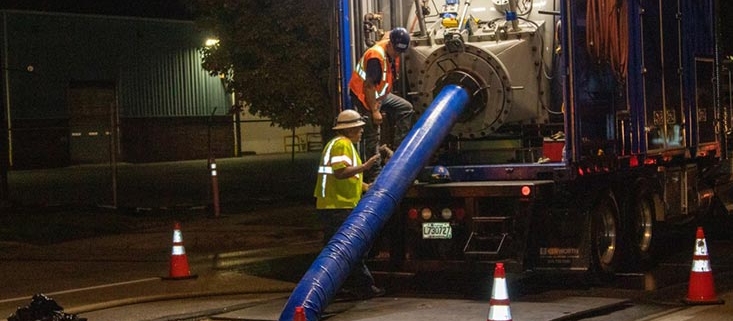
[408, 309]
[414, 309]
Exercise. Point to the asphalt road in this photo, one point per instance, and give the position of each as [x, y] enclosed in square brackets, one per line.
[265, 201]
[143, 256]
[106, 275]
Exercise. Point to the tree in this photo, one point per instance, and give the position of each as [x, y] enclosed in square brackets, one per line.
[275, 55]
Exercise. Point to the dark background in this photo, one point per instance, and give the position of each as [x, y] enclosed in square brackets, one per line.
[177, 9]
[169, 9]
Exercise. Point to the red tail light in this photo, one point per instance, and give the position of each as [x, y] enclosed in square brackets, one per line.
[526, 190]
[412, 214]
[460, 214]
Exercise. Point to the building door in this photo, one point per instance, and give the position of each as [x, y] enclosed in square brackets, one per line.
[91, 112]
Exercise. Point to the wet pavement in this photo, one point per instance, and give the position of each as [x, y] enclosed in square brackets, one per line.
[235, 261]
[235, 257]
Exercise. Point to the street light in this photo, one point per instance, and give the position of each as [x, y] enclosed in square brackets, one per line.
[211, 42]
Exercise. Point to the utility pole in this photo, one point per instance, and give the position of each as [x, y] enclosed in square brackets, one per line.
[5, 116]
[5, 137]
[4, 140]
[4, 156]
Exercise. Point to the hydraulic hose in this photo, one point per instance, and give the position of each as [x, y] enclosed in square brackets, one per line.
[330, 269]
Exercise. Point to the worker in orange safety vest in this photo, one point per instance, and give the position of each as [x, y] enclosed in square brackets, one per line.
[370, 90]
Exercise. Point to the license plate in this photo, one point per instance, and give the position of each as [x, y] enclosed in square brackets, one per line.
[436, 230]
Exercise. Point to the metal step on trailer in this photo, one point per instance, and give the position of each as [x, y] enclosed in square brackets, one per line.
[488, 235]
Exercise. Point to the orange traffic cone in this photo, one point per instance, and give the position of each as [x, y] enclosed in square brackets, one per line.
[499, 304]
[701, 289]
[179, 261]
[299, 314]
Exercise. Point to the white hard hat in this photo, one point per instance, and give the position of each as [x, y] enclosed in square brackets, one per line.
[347, 119]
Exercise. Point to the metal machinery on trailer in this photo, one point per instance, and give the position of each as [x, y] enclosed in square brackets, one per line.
[591, 124]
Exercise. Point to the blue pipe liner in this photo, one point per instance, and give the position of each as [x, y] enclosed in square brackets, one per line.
[345, 53]
[353, 239]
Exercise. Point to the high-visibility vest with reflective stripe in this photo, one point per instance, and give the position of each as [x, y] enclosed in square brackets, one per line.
[356, 83]
[331, 192]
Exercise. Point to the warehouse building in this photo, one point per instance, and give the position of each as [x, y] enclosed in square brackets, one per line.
[77, 87]
[80, 89]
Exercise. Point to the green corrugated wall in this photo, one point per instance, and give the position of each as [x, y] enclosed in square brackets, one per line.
[155, 64]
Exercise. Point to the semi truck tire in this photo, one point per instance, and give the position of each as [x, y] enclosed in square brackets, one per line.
[640, 225]
[605, 237]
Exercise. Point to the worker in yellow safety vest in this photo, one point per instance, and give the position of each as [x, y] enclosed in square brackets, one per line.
[339, 187]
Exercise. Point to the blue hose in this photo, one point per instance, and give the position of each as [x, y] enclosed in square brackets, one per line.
[347, 247]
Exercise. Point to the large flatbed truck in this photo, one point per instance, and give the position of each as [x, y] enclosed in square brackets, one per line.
[553, 136]
[591, 125]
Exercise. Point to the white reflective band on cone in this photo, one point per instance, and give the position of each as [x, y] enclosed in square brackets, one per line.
[700, 266]
[213, 173]
[499, 291]
[178, 250]
[177, 238]
[701, 248]
[501, 312]
[700, 262]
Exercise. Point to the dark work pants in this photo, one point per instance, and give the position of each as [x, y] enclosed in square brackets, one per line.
[360, 277]
[400, 116]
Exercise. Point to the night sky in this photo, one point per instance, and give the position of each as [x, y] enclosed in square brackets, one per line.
[726, 41]
[175, 9]
[167, 9]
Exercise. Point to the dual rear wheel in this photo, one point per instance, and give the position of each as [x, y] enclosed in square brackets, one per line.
[605, 238]
[641, 208]
[624, 240]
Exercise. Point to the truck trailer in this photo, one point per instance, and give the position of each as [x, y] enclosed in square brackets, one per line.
[591, 125]
[552, 136]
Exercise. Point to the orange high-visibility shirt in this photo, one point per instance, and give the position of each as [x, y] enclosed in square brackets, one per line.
[358, 76]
